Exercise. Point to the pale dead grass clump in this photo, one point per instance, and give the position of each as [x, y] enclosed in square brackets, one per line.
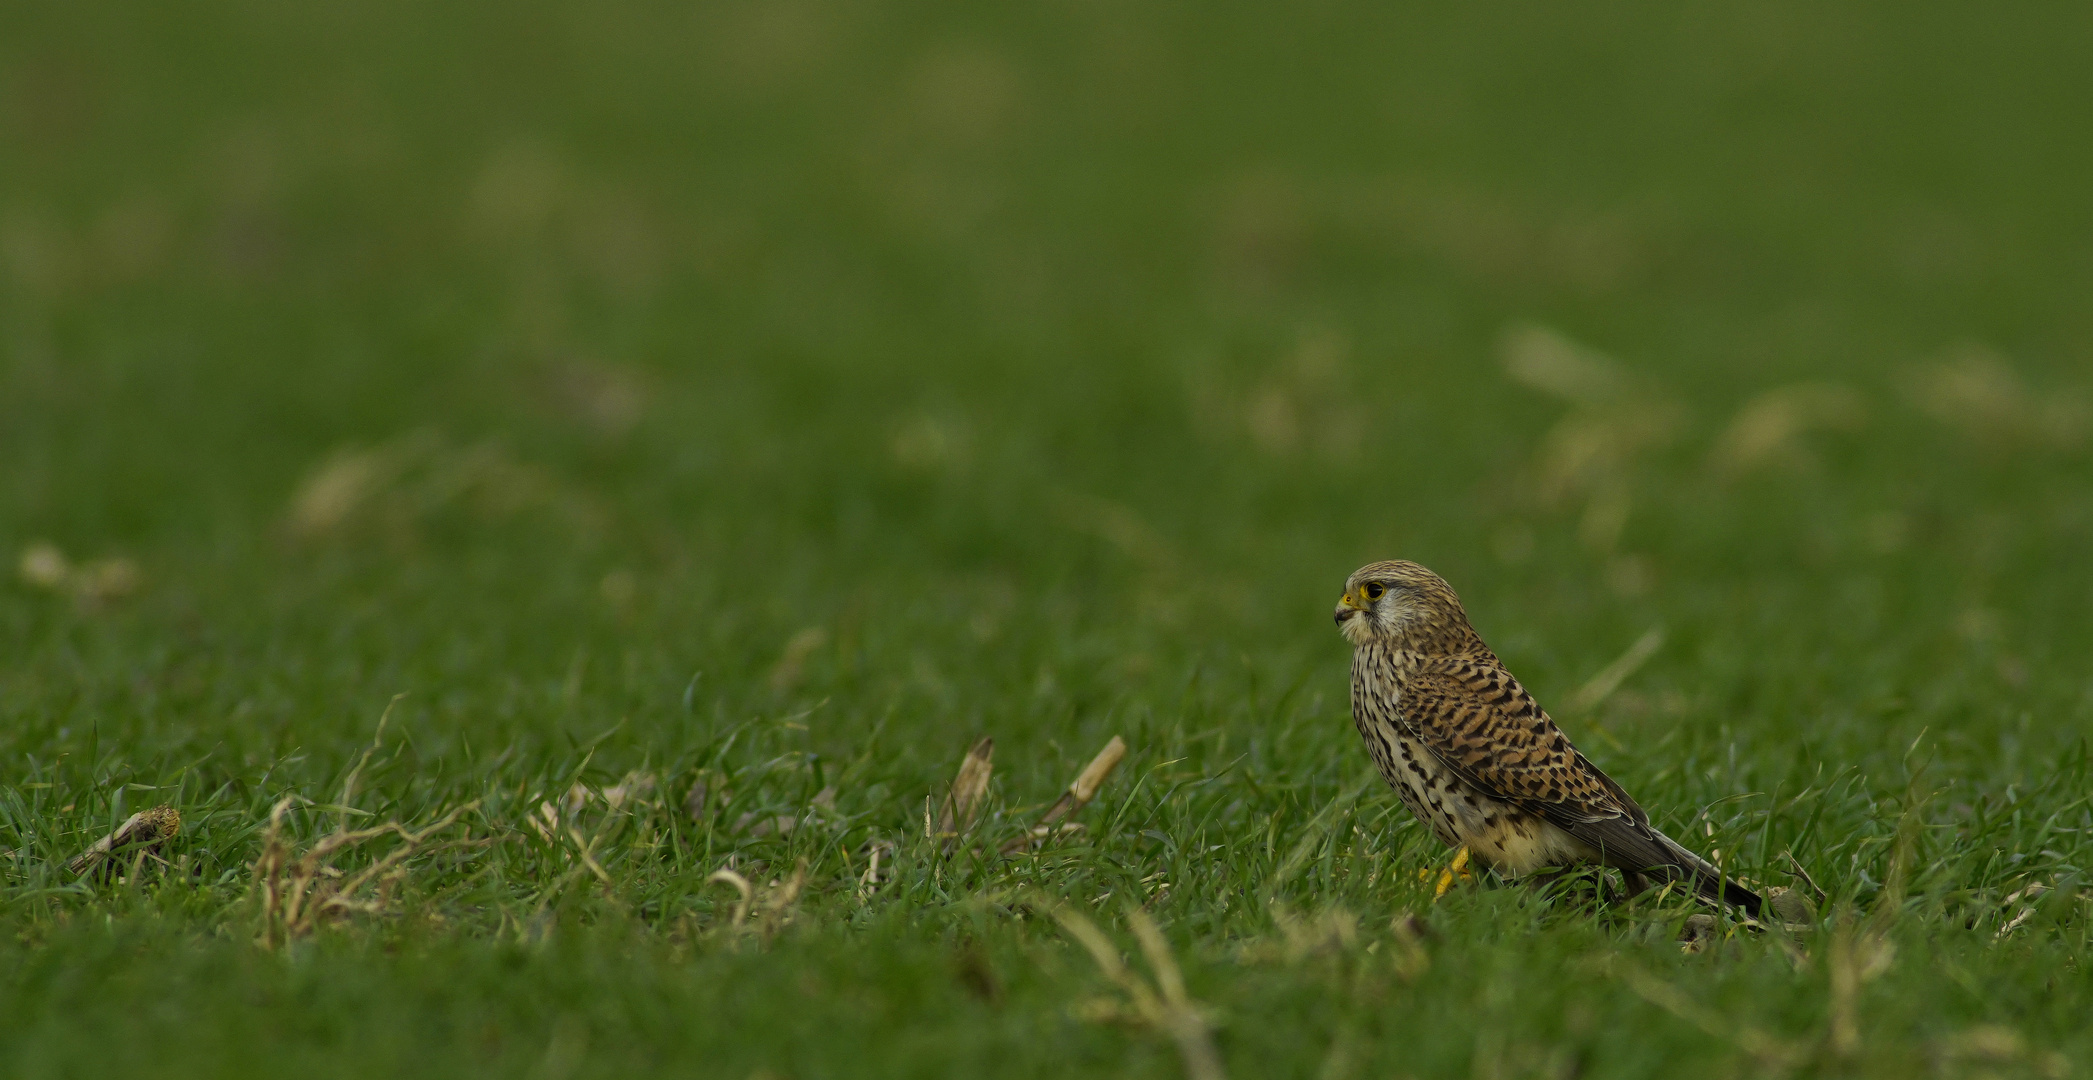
[1591, 250]
[773, 911]
[1770, 429]
[1119, 525]
[968, 796]
[969, 790]
[1996, 1046]
[1332, 931]
[94, 583]
[634, 791]
[792, 662]
[637, 795]
[1162, 1004]
[1615, 419]
[1305, 404]
[397, 486]
[1308, 402]
[300, 890]
[2026, 899]
[1853, 951]
[1976, 391]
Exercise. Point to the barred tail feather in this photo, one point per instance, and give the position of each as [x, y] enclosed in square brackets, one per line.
[1638, 848]
[1707, 880]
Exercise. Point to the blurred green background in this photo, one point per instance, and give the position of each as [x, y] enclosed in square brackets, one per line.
[650, 387]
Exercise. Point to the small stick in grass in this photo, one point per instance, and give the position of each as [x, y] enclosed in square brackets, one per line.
[1806, 879]
[1077, 796]
[140, 835]
[964, 802]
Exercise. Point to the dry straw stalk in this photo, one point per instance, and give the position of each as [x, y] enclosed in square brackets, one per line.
[299, 889]
[1083, 789]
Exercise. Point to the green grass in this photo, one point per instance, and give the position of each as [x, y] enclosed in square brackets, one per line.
[785, 395]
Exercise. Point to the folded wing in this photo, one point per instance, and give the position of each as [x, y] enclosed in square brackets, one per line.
[1481, 724]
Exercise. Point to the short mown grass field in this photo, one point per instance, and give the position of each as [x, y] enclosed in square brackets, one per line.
[551, 493]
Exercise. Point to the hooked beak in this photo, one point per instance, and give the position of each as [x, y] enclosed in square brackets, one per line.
[1347, 606]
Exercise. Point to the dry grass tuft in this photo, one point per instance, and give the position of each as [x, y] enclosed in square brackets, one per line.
[300, 889]
[1775, 1056]
[1976, 391]
[398, 486]
[1768, 430]
[1333, 931]
[1591, 453]
[963, 803]
[1998, 1046]
[2026, 895]
[741, 885]
[792, 662]
[1165, 1005]
[773, 911]
[931, 443]
[95, 583]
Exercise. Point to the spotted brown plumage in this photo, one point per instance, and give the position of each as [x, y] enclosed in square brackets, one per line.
[1471, 753]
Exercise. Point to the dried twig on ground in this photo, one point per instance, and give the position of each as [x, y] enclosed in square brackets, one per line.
[299, 889]
[139, 837]
[869, 884]
[1079, 794]
[963, 803]
[1804, 873]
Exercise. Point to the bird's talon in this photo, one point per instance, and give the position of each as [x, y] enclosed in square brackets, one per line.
[1456, 869]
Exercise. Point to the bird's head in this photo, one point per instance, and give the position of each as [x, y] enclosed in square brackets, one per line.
[1405, 604]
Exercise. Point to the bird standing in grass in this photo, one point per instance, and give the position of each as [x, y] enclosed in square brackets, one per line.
[1476, 758]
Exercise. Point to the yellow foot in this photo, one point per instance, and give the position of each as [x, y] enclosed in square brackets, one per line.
[1457, 870]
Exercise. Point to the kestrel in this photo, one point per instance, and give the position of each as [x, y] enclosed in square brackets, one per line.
[1476, 758]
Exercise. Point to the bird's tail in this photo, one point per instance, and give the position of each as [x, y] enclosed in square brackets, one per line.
[1707, 880]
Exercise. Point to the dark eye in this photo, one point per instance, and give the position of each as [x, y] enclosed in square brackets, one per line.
[1374, 589]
